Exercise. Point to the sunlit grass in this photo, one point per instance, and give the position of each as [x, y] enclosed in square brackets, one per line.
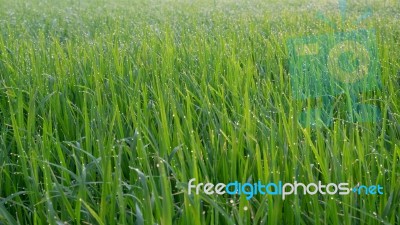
[107, 110]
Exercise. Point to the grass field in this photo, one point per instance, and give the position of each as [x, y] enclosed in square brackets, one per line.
[109, 108]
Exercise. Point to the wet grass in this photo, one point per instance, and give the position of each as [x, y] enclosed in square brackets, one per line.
[107, 110]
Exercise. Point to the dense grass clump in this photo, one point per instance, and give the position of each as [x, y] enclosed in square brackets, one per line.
[108, 109]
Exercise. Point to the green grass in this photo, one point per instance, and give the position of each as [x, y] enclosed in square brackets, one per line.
[107, 110]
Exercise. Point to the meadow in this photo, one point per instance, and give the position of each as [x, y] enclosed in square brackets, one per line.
[109, 108]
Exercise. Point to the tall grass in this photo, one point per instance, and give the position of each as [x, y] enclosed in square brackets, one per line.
[108, 109]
